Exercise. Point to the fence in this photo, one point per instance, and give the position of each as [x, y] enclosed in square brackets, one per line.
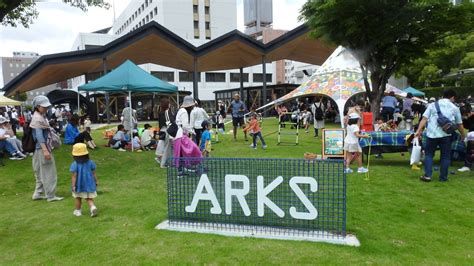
[289, 197]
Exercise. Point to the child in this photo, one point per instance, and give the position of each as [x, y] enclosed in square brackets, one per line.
[205, 145]
[84, 180]
[87, 124]
[119, 140]
[148, 138]
[136, 141]
[220, 123]
[351, 144]
[254, 127]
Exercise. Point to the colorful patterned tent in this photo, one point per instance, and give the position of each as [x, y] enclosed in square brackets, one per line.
[339, 78]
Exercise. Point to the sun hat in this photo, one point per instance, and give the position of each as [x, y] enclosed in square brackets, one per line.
[79, 149]
[188, 101]
[3, 120]
[42, 101]
[354, 116]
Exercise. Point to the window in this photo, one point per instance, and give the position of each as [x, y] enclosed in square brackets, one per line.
[139, 11]
[259, 77]
[147, 18]
[164, 75]
[146, 3]
[11, 65]
[206, 10]
[235, 77]
[208, 25]
[140, 24]
[143, 7]
[156, 11]
[195, 9]
[188, 76]
[196, 25]
[215, 77]
[12, 74]
[151, 15]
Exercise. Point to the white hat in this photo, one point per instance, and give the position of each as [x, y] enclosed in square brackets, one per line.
[42, 101]
[3, 120]
[354, 116]
[188, 101]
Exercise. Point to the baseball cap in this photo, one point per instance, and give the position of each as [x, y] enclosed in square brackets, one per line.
[42, 101]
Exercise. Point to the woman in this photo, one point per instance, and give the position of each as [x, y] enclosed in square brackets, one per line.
[72, 135]
[166, 117]
[319, 112]
[198, 115]
[407, 111]
[44, 165]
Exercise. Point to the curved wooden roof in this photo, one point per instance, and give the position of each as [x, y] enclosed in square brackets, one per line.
[154, 43]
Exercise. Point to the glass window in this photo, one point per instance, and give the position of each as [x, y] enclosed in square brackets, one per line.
[235, 77]
[196, 24]
[143, 7]
[188, 76]
[259, 77]
[215, 77]
[206, 10]
[156, 11]
[208, 26]
[146, 3]
[151, 15]
[147, 18]
[164, 75]
[195, 9]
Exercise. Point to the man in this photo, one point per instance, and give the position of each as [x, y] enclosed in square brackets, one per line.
[437, 137]
[238, 109]
[389, 103]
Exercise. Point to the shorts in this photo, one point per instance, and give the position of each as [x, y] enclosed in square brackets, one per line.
[352, 147]
[236, 121]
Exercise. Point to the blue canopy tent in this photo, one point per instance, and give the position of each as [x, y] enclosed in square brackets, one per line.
[414, 92]
[129, 77]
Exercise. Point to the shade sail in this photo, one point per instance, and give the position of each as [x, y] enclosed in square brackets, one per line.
[414, 92]
[4, 101]
[129, 77]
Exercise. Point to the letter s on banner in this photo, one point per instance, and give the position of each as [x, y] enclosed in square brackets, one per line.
[313, 186]
[200, 195]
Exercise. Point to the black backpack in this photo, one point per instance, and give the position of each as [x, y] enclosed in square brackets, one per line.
[447, 125]
[27, 142]
[319, 115]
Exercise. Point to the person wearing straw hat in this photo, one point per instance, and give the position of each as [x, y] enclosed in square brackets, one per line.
[183, 117]
[83, 179]
[44, 165]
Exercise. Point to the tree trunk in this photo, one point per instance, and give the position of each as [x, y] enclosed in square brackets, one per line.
[378, 88]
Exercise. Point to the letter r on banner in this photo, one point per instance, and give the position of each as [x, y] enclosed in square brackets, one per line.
[238, 193]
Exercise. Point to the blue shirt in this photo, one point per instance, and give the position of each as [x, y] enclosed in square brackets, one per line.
[206, 136]
[85, 181]
[448, 109]
[238, 108]
[40, 135]
[70, 134]
[389, 101]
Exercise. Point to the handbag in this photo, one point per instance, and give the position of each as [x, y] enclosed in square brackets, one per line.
[55, 139]
[415, 152]
[445, 123]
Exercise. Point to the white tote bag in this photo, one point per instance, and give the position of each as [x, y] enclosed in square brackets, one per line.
[415, 152]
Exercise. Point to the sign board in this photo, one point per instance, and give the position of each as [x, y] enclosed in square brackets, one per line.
[291, 197]
[333, 143]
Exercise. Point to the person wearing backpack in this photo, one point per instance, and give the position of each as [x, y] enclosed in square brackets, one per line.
[318, 109]
[442, 119]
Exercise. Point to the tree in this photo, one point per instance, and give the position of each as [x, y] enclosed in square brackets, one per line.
[24, 12]
[451, 54]
[383, 34]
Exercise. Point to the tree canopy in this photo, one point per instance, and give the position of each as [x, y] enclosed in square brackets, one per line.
[14, 12]
[383, 35]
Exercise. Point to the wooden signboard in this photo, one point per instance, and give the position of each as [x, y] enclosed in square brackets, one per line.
[333, 143]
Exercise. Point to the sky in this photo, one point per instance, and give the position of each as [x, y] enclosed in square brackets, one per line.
[58, 24]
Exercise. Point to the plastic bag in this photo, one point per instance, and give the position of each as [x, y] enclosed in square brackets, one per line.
[415, 152]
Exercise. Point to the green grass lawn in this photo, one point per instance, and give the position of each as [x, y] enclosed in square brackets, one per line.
[397, 218]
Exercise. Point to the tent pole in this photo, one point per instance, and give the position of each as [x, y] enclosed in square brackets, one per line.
[131, 117]
[78, 103]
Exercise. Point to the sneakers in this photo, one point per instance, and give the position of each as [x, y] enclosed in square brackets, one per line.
[94, 211]
[158, 161]
[415, 167]
[362, 170]
[264, 147]
[77, 213]
[55, 198]
[19, 153]
[464, 169]
[425, 179]
[38, 197]
[16, 157]
[120, 149]
[348, 171]
[253, 147]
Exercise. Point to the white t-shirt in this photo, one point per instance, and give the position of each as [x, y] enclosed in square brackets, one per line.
[198, 115]
[146, 137]
[136, 142]
[351, 138]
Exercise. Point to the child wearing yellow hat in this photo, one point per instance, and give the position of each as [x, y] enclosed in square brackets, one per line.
[84, 179]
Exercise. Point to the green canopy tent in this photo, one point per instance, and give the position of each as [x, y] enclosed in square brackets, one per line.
[414, 92]
[129, 77]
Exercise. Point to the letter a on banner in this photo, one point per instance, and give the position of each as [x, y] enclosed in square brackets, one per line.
[313, 186]
[262, 198]
[200, 195]
[238, 193]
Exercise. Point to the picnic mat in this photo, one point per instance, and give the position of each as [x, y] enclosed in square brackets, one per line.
[397, 138]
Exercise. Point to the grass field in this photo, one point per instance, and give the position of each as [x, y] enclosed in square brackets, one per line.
[397, 218]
